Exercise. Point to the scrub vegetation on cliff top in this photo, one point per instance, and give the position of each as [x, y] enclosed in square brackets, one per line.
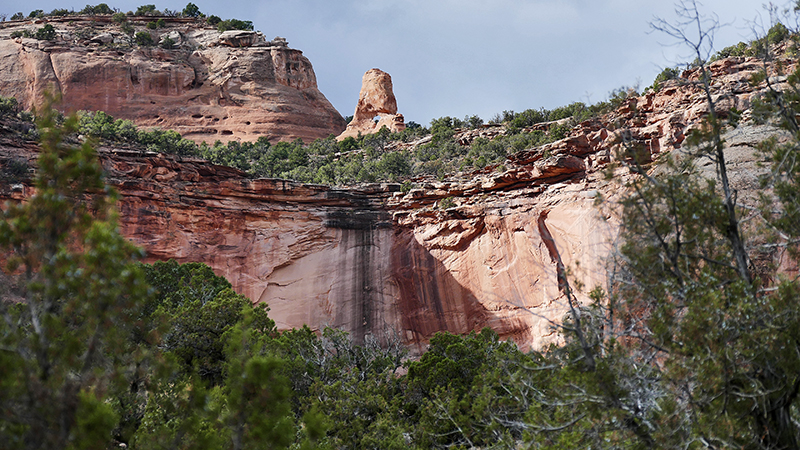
[141, 37]
[692, 345]
[417, 152]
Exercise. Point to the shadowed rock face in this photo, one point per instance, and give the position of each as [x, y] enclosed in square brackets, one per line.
[372, 259]
[212, 86]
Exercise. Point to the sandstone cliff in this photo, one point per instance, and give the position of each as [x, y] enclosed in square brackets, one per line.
[211, 86]
[487, 250]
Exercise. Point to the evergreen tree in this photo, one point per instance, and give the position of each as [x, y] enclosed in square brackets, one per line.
[64, 333]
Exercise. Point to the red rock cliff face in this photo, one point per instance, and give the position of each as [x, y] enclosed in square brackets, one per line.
[211, 86]
[372, 258]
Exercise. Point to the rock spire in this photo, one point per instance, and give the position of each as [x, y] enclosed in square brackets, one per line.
[376, 100]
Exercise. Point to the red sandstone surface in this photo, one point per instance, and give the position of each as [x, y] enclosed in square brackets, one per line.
[372, 258]
[212, 86]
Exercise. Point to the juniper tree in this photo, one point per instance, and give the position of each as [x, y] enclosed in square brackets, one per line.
[63, 333]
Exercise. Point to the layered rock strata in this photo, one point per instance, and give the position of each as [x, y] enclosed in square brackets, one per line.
[211, 86]
[491, 249]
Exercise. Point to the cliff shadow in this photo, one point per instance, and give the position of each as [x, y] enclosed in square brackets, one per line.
[387, 282]
[429, 298]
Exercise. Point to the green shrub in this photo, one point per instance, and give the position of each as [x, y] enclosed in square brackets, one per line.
[17, 16]
[739, 49]
[9, 107]
[14, 170]
[394, 165]
[127, 28]
[575, 110]
[446, 203]
[119, 17]
[102, 8]
[620, 95]
[46, 33]
[160, 23]
[191, 10]
[103, 126]
[234, 24]
[559, 131]
[151, 25]
[60, 12]
[36, 13]
[147, 10]
[777, 33]
[144, 38]
[473, 121]
[213, 20]
[669, 73]
[167, 43]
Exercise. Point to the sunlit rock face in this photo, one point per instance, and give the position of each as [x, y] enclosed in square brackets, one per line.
[376, 100]
[373, 260]
[211, 86]
[492, 248]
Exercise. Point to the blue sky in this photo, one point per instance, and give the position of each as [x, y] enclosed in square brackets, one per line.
[465, 57]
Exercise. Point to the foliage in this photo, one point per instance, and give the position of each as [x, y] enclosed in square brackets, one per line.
[47, 33]
[199, 307]
[191, 10]
[446, 203]
[101, 8]
[64, 341]
[167, 43]
[147, 10]
[352, 385]
[103, 126]
[60, 12]
[234, 24]
[247, 407]
[144, 38]
[740, 49]
[777, 33]
[689, 299]
[14, 170]
[9, 107]
[128, 29]
[456, 393]
[761, 47]
[669, 73]
[17, 16]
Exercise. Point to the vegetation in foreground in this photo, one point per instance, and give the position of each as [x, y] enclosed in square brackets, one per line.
[693, 345]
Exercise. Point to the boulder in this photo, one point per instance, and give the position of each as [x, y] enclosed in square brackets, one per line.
[238, 38]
